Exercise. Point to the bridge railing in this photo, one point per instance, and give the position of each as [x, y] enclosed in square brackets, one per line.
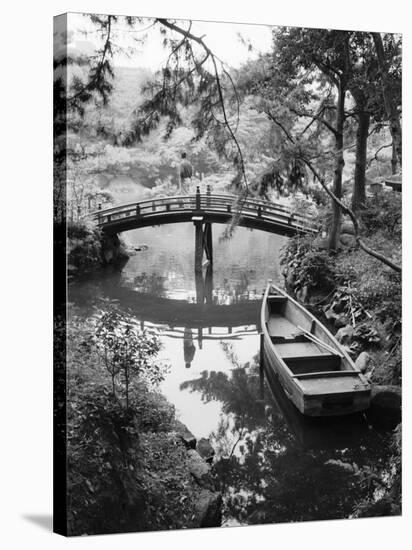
[221, 203]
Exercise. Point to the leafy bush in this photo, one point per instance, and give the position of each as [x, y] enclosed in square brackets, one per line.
[106, 487]
[127, 351]
[309, 265]
[153, 411]
[103, 488]
[375, 288]
[383, 212]
[319, 196]
[386, 499]
[84, 247]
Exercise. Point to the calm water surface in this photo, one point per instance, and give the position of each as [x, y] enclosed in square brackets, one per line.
[271, 464]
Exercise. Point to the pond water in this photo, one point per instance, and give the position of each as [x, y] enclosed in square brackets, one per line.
[271, 464]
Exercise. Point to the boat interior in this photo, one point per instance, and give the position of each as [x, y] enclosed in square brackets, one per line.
[303, 352]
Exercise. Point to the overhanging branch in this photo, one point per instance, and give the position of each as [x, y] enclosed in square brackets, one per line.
[343, 206]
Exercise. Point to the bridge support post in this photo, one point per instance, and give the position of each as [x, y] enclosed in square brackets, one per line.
[208, 241]
[208, 284]
[203, 246]
[198, 246]
[203, 243]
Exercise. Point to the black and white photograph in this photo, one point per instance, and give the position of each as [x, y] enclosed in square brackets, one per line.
[228, 243]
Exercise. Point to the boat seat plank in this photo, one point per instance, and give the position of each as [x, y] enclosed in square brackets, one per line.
[331, 384]
[278, 325]
[325, 374]
[313, 363]
[288, 339]
[277, 299]
[292, 348]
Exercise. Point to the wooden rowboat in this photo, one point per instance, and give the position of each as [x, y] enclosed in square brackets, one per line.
[315, 371]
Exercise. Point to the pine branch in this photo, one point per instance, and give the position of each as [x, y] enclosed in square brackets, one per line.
[314, 117]
[375, 156]
[200, 41]
[100, 68]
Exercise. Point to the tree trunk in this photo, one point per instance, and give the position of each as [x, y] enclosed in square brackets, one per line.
[394, 160]
[390, 103]
[359, 184]
[339, 164]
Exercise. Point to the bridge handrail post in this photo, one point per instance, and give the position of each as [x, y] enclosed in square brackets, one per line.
[208, 195]
[197, 197]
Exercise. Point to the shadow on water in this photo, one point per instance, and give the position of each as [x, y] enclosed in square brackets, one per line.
[275, 465]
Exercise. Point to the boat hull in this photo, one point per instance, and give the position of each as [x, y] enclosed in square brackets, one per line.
[326, 393]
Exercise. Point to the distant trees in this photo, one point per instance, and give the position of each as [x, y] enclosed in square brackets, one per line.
[318, 87]
[329, 80]
[340, 73]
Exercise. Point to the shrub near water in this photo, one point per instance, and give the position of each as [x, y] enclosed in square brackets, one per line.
[383, 212]
[108, 411]
[103, 488]
[309, 266]
[84, 243]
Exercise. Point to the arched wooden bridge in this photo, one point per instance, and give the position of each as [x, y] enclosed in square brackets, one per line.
[205, 208]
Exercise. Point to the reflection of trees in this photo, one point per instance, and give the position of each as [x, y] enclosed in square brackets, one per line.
[152, 283]
[239, 394]
[233, 293]
[263, 473]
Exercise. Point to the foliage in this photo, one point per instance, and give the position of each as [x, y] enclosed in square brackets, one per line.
[104, 491]
[383, 212]
[386, 500]
[376, 290]
[127, 352]
[119, 457]
[84, 244]
[153, 412]
[309, 265]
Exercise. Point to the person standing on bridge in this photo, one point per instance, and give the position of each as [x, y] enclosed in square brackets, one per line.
[185, 173]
